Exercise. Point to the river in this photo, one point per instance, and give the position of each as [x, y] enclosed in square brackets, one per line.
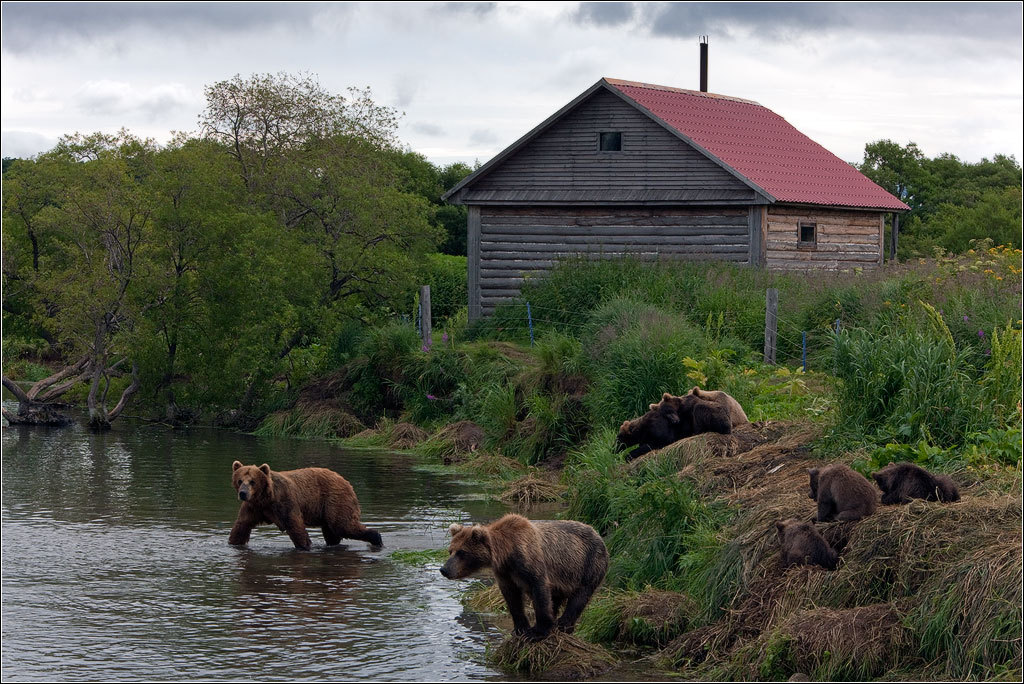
[116, 564]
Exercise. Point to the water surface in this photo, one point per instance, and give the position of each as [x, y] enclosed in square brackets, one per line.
[116, 564]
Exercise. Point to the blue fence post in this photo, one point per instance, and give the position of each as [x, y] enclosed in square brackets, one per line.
[804, 344]
[529, 318]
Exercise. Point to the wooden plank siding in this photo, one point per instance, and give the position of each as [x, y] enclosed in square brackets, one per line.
[845, 239]
[522, 242]
[563, 165]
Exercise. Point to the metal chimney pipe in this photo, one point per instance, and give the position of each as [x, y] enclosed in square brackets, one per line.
[703, 64]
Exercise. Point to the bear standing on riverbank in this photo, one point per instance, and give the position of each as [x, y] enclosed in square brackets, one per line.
[294, 500]
[553, 562]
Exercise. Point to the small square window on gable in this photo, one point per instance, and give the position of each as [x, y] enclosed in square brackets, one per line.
[807, 235]
[609, 141]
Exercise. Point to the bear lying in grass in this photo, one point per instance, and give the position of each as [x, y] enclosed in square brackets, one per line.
[802, 544]
[553, 562]
[672, 419]
[842, 493]
[294, 500]
[901, 482]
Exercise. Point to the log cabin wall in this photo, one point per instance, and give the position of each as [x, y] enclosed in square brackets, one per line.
[842, 238]
[519, 242]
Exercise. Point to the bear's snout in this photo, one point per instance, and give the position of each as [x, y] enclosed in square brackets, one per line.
[445, 572]
[243, 494]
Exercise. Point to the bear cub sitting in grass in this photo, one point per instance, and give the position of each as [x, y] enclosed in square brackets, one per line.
[555, 563]
[803, 545]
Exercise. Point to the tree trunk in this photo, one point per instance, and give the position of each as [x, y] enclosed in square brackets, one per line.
[36, 406]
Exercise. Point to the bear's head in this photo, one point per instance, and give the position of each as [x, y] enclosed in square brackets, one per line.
[947, 489]
[884, 477]
[813, 472]
[469, 551]
[657, 428]
[252, 483]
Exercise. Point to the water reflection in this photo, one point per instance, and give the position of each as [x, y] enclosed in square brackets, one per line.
[116, 565]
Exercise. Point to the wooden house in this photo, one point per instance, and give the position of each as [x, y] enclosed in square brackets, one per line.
[637, 169]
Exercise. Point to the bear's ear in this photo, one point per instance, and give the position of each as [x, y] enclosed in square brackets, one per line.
[813, 472]
[666, 396]
[265, 468]
[478, 533]
[780, 526]
[236, 465]
[454, 528]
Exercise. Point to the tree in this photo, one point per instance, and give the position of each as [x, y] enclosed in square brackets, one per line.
[99, 228]
[326, 166]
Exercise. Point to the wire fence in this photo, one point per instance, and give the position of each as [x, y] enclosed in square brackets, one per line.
[799, 340]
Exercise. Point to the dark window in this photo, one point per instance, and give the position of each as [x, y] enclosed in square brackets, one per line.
[610, 142]
[808, 235]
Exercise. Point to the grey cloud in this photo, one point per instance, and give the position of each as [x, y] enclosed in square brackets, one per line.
[45, 26]
[775, 20]
[478, 9]
[428, 129]
[604, 13]
[482, 137]
[406, 87]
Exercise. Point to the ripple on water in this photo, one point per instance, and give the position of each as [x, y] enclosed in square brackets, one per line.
[116, 566]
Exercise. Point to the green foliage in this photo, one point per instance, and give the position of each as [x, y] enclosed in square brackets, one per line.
[656, 526]
[446, 276]
[951, 202]
[908, 382]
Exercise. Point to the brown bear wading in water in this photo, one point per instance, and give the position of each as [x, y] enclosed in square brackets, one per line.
[670, 420]
[901, 482]
[803, 545]
[294, 500]
[842, 494]
[553, 562]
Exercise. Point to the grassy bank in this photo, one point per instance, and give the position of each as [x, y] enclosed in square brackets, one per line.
[924, 365]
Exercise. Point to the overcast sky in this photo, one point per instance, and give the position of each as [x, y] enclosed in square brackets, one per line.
[471, 78]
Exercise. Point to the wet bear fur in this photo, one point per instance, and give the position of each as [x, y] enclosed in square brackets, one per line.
[802, 544]
[901, 482]
[842, 493]
[670, 420]
[554, 563]
[294, 500]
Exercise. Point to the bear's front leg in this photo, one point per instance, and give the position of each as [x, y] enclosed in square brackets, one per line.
[541, 594]
[242, 528]
[513, 596]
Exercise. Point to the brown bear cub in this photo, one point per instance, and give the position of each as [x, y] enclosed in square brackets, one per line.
[670, 420]
[901, 482]
[804, 545]
[294, 500]
[842, 493]
[553, 562]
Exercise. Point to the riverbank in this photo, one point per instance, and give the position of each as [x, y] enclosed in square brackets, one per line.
[923, 366]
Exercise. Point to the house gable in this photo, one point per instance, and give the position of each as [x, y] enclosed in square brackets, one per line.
[560, 162]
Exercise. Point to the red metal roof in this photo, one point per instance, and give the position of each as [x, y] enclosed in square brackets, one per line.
[761, 146]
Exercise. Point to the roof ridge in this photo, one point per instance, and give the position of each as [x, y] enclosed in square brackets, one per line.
[683, 91]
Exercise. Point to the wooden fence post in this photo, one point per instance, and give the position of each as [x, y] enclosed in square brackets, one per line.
[425, 315]
[771, 318]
